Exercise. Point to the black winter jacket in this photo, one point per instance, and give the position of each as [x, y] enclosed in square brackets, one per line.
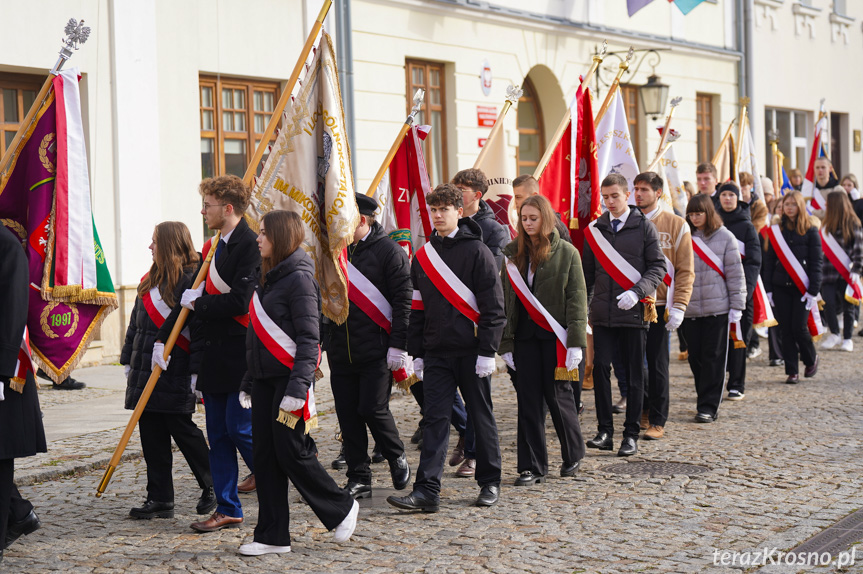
[291, 298]
[172, 393]
[808, 251]
[494, 235]
[440, 330]
[638, 243]
[739, 223]
[359, 339]
[853, 247]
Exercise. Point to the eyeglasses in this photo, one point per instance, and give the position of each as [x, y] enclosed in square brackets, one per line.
[207, 206]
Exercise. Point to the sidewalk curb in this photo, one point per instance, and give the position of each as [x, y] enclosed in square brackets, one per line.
[31, 478]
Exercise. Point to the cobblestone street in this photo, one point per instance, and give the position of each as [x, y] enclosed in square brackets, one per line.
[783, 464]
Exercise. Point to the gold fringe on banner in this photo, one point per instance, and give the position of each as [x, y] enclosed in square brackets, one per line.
[770, 323]
[650, 309]
[561, 374]
[17, 384]
[290, 420]
[406, 384]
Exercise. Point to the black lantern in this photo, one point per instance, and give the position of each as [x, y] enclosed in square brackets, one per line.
[654, 95]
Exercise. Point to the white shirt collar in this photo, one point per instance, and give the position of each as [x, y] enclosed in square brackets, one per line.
[454, 231]
[366, 236]
[227, 236]
[622, 218]
[650, 215]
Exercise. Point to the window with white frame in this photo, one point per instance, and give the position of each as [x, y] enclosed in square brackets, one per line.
[793, 129]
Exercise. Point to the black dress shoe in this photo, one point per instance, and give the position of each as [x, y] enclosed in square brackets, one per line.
[777, 362]
[704, 418]
[359, 490]
[792, 379]
[418, 434]
[414, 501]
[488, 495]
[377, 456]
[69, 384]
[580, 408]
[569, 469]
[153, 509]
[28, 525]
[340, 463]
[527, 477]
[400, 471]
[628, 447]
[809, 372]
[602, 441]
[207, 503]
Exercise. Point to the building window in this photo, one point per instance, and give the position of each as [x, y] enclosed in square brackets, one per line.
[17, 94]
[430, 77]
[630, 106]
[531, 139]
[234, 115]
[791, 126]
[704, 126]
[839, 7]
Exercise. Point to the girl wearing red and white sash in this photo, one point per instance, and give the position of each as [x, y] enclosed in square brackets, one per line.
[282, 353]
[842, 238]
[541, 268]
[718, 298]
[792, 311]
[168, 413]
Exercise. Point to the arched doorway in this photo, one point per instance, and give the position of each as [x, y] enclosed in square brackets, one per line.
[531, 131]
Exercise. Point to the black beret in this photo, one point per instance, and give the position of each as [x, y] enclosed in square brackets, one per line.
[367, 205]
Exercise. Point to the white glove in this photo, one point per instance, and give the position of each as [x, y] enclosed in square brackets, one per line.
[675, 319]
[126, 370]
[189, 296]
[2, 396]
[419, 365]
[510, 362]
[734, 315]
[484, 366]
[159, 357]
[855, 277]
[396, 359]
[589, 329]
[573, 358]
[291, 404]
[245, 399]
[627, 300]
[770, 299]
[809, 300]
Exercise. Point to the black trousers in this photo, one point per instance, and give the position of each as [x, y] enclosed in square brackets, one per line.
[459, 414]
[656, 401]
[835, 303]
[737, 357]
[631, 342]
[707, 340]
[774, 339]
[792, 316]
[157, 429]
[362, 397]
[442, 377]
[681, 340]
[535, 387]
[13, 508]
[282, 453]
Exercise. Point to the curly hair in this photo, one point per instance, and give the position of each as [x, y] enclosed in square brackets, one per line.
[228, 189]
[472, 178]
[445, 194]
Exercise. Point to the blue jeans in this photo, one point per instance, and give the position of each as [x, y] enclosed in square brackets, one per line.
[229, 429]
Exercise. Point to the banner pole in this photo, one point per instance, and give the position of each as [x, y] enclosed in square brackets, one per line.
[722, 143]
[388, 159]
[513, 93]
[661, 149]
[624, 66]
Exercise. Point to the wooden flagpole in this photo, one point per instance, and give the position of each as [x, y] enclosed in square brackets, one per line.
[564, 121]
[740, 128]
[418, 104]
[723, 142]
[624, 65]
[661, 149]
[202, 272]
[513, 93]
[76, 34]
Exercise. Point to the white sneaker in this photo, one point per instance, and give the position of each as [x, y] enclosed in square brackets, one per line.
[762, 332]
[259, 549]
[755, 352]
[847, 345]
[830, 341]
[344, 530]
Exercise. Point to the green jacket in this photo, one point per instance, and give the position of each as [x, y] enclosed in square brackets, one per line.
[558, 285]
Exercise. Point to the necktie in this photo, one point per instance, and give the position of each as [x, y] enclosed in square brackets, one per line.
[614, 224]
[219, 250]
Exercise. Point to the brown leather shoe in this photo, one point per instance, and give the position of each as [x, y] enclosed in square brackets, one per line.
[467, 468]
[247, 485]
[457, 453]
[588, 378]
[216, 522]
[645, 422]
[654, 432]
[619, 406]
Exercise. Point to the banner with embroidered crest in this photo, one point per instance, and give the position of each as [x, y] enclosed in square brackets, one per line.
[45, 200]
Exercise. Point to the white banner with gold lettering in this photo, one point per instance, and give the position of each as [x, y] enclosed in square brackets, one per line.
[308, 171]
[615, 153]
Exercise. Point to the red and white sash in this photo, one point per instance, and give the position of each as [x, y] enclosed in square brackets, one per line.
[763, 312]
[158, 312]
[613, 262]
[23, 364]
[448, 283]
[417, 301]
[669, 284]
[543, 318]
[283, 348]
[840, 260]
[215, 285]
[372, 302]
[798, 275]
[735, 330]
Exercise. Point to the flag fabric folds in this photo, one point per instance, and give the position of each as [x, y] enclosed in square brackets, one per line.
[45, 200]
[747, 162]
[614, 146]
[809, 190]
[308, 172]
[723, 160]
[685, 6]
[401, 194]
[499, 170]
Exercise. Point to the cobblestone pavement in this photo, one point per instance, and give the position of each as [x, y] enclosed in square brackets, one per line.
[783, 465]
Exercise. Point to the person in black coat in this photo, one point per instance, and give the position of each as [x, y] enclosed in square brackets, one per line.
[21, 431]
[363, 354]
[218, 330]
[792, 311]
[279, 381]
[736, 218]
[168, 413]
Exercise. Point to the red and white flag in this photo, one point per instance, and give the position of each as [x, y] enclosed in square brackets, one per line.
[499, 168]
[809, 190]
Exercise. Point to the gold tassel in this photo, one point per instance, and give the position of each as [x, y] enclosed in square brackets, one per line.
[312, 423]
[288, 419]
[406, 384]
[650, 315]
[573, 223]
[852, 300]
[17, 384]
[561, 374]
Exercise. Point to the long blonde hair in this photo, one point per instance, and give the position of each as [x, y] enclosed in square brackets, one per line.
[802, 224]
[534, 249]
[840, 215]
[175, 252]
